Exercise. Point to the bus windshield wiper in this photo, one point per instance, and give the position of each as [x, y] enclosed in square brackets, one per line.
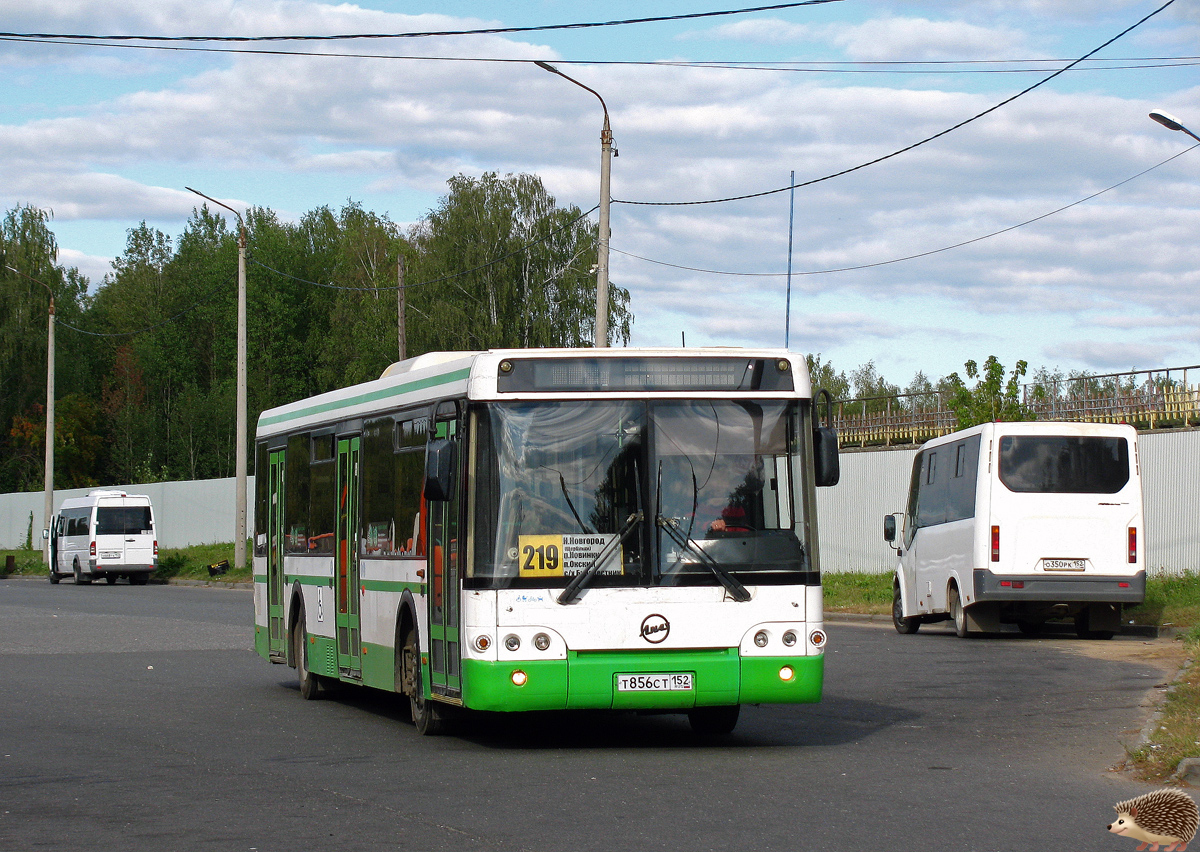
[572, 590]
[739, 592]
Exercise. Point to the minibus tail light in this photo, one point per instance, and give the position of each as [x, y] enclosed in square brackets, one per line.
[92, 551]
[1132, 545]
[996, 544]
[155, 549]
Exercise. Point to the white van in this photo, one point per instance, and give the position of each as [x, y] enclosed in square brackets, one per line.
[1018, 523]
[107, 534]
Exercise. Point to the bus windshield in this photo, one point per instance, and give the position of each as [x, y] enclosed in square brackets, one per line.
[637, 493]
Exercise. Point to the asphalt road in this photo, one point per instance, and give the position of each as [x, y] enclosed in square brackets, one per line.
[139, 718]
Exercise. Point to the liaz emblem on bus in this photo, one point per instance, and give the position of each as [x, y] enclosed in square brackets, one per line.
[565, 555]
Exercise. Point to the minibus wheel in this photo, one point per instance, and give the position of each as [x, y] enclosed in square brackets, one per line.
[111, 579]
[54, 578]
[80, 580]
[905, 626]
[959, 614]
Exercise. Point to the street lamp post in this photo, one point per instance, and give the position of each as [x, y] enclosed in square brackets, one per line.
[239, 542]
[48, 481]
[1171, 122]
[602, 248]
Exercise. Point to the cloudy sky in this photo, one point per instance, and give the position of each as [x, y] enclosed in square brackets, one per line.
[108, 134]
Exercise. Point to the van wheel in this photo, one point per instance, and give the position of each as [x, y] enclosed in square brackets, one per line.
[54, 578]
[139, 579]
[310, 684]
[905, 626]
[80, 580]
[958, 614]
[111, 579]
[1031, 628]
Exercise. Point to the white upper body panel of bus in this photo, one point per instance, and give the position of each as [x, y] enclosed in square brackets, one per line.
[474, 375]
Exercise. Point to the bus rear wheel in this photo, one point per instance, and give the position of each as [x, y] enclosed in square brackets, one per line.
[713, 721]
[904, 626]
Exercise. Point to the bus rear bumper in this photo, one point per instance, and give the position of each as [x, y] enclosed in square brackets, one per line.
[1077, 588]
[588, 681]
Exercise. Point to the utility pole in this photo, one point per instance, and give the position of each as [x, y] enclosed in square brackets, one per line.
[606, 154]
[241, 453]
[401, 331]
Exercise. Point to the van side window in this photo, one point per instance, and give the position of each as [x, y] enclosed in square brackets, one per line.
[935, 499]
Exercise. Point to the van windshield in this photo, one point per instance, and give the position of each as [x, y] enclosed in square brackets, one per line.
[1058, 464]
[123, 520]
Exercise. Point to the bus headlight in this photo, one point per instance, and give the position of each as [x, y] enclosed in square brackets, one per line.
[760, 638]
[519, 678]
[789, 638]
[541, 641]
[512, 642]
[786, 673]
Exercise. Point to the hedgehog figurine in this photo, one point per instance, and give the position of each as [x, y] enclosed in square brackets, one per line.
[1168, 817]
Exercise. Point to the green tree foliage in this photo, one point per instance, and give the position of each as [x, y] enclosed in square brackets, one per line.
[991, 398]
[146, 361]
[509, 268]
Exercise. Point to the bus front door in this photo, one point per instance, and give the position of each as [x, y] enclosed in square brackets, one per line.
[445, 672]
[346, 548]
[276, 630]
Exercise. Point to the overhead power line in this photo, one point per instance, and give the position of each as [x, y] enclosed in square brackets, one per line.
[429, 34]
[911, 256]
[906, 148]
[897, 66]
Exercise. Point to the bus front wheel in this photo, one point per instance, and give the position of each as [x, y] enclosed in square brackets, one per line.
[310, 684]
[714, 720]
[427, 716]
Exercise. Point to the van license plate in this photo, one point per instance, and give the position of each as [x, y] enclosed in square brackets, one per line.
[1064, 564]
[662, 682]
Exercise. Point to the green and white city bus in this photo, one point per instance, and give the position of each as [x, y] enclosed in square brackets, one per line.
[550, 530]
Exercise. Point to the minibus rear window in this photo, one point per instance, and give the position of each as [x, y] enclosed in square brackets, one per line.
[123, 520]
[1058, 464]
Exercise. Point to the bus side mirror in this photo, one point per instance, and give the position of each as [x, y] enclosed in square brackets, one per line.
[889, 528]
[439, 470]
[827, 467]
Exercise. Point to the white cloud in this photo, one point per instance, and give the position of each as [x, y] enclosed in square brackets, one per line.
[398, 129]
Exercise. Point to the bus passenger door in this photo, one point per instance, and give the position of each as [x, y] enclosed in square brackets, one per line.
[444, 651]
[346, 550]
[276, 629]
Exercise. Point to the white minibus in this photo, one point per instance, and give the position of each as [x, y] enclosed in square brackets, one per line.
[1020, 523]
[107, 534]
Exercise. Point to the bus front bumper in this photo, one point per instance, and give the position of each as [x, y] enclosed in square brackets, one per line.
[588, 681]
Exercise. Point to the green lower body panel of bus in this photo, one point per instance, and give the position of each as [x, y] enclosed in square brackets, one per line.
[589, 681]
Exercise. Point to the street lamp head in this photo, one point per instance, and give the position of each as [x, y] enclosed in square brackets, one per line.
[545, 66]
[1166, 120]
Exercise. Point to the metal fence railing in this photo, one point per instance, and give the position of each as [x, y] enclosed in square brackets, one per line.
[1146, 399]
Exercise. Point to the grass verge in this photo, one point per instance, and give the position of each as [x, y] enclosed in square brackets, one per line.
[184, 563]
